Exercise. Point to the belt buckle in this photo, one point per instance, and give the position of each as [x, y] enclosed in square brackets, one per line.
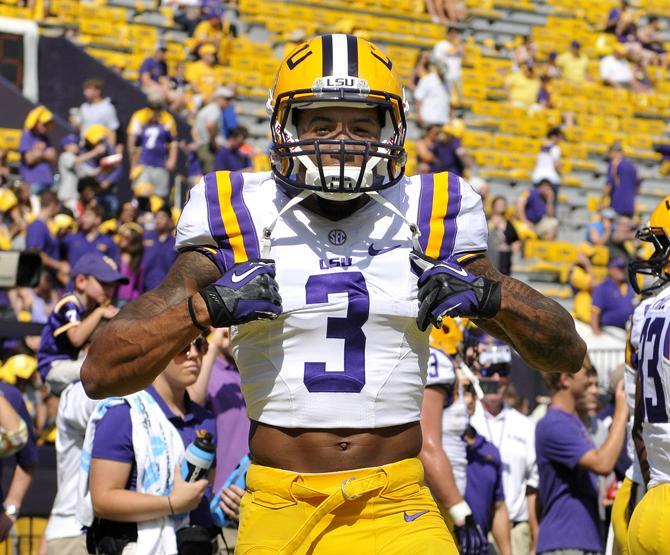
[344, 491]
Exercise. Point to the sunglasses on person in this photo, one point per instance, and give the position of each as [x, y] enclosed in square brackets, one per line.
[502, 370]
[200, 344]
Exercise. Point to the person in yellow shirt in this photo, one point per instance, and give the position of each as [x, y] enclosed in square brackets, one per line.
[202, 74]
[216, 30]
[523, 86]
[573, 63]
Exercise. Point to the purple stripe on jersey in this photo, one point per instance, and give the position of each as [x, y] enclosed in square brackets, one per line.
[244, 217]
[450, 226]
[216, 227]
[425, 208]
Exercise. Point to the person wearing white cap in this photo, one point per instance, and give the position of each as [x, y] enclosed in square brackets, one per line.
[208, 128]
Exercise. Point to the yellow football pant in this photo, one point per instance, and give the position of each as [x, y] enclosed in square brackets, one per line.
[620, 516]
[383, 510]
[648, 531]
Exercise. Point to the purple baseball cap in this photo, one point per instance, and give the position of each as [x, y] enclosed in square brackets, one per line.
[617, 262]
[101, 267]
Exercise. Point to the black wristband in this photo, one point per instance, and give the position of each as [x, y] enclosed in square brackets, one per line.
[191, 312]
[490, 304]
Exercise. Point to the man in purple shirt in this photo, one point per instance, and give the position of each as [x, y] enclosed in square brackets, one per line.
[26, 463]
[36, 151]
[612, 300]
[230, 157]
[159, 251]
[89, 239]
[622, 182]
[567, 463]
[484, 490]
[536, 210]
[153, 68]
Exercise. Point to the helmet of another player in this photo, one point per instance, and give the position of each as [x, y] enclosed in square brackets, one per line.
[657, 233]
[337, 71]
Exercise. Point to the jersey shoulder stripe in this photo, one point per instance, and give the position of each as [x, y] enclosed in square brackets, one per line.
[439, 204]
[229, 218]
[450, 217]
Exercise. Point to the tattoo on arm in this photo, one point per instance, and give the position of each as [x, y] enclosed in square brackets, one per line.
[140, 341]
[191, 272]
[537, 327]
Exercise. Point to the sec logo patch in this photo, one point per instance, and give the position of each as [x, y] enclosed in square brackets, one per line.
[337, 237]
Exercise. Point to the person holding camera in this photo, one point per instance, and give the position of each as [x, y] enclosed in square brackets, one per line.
[512, 433]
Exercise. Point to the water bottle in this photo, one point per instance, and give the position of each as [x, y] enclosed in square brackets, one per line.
[238, 477]
[198, 457]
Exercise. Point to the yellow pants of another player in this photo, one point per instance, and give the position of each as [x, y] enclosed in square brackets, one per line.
[382, 510]
[649, 528]
[621, 515]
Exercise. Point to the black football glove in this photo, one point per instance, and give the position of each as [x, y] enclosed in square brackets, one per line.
[447, 289]
[246, 292]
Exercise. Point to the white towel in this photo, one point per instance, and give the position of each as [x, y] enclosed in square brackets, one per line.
[158, 448]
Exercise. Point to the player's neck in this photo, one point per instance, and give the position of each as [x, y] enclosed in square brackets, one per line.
[332, 209]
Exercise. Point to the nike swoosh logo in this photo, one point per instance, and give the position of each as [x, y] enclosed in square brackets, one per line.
[412, 518]
[452, 308]
[374, 252]
[459, 271]
[235, 278]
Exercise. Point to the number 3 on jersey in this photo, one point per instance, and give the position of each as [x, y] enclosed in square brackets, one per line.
[350, 328]
[654, 351]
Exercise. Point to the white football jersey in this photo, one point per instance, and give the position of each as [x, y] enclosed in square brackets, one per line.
[654, 364]
[441, 372]
[346, 351]
[634, 472]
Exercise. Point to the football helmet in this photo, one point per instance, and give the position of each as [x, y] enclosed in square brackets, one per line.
[337, 71]
[657, 233]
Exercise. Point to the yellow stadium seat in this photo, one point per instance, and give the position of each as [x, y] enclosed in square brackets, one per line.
[9, 138]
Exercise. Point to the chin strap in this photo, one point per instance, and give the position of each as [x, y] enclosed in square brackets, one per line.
[266, 240]
[382, 201]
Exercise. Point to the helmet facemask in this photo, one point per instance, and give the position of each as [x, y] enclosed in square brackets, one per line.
[656, 266]
[382, 162]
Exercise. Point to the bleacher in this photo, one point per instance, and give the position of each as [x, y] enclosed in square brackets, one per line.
[502, 139]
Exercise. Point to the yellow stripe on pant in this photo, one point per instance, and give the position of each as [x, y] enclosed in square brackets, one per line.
[382, 510]
[648, 530]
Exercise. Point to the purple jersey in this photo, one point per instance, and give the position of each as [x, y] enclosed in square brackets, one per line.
[114, 440]
[39, 238]
[154, 140]
[568, 492]
[39, 173]
[55, 344]
[159, 255]
[77, 245]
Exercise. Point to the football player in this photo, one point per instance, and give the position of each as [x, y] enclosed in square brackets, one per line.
[648, 526]
[444, 419]
[318, 266]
